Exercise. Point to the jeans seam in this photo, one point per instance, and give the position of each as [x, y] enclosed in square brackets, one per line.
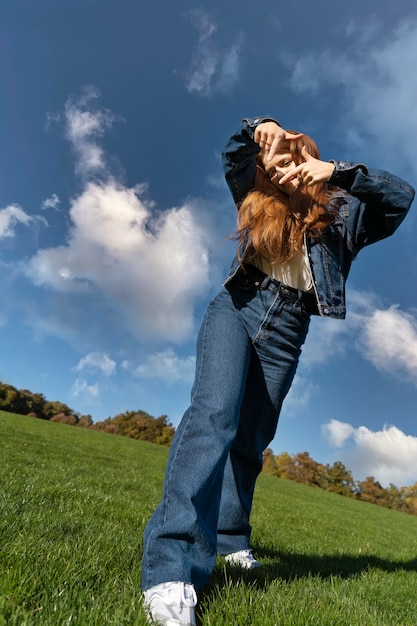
[190, 414]
[266, 316]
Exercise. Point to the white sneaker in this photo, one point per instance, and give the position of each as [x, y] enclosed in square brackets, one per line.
[243, 558]
[171, 604]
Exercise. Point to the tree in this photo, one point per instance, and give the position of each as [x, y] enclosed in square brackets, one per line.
[12, 400]
[340, 480]
[135, 424]
[410, 499]
[396, 498]
[269, 465]
[306, 470]
[62, 418]
[285, 465]
[24, 402]
[336, 478]
[139, 425]
[85, 421]
[56, 408]
[370, 490]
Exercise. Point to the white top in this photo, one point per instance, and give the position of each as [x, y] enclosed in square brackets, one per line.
[295, 273]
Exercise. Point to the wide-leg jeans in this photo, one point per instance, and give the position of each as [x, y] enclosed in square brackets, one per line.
[248, 348]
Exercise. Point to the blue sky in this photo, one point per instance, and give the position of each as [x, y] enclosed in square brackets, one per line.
[114, 213]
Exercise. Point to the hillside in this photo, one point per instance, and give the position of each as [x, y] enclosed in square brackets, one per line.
[74, 503]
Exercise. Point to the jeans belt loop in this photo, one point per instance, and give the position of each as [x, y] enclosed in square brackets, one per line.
[264, 284]
[299, 301]
[288, 294]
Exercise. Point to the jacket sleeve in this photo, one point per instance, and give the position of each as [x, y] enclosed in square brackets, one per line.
[379, 202]
[239, 158]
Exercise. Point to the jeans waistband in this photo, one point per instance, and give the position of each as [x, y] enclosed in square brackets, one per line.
[262, 281]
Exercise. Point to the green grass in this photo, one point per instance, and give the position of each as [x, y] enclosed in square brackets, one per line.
[74, 504]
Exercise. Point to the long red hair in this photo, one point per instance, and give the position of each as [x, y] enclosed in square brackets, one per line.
[272, 223]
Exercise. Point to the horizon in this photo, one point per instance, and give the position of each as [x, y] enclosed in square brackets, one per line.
[114, 214]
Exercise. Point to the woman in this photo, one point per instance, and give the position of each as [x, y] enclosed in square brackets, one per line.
[301, 222]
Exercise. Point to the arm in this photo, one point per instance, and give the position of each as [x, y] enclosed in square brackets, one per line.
[239, 158]
[384, 200]
[239, 153]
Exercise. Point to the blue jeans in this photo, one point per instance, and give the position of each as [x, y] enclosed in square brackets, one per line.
[247, 353]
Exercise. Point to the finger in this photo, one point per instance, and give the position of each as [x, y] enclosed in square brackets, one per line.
[305, 154]
[291, 175]
[291, 136]
[277, 140]
[259, 137]
[264, 141]
[274, 146]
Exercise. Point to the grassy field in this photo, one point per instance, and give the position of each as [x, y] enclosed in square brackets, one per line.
[74, 504]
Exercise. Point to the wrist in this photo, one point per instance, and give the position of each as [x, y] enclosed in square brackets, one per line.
[253, 122]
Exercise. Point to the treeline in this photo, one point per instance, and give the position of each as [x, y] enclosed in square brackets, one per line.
[134, 424]
[24, 402]
[301, 468]
[139, 425]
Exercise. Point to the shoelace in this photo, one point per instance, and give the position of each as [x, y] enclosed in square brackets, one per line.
[187, 595]
[248, 554]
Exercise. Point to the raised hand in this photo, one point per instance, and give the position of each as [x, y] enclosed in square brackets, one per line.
[269, 136]
[312, 172]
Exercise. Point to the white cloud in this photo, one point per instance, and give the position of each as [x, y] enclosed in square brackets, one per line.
[300, 395]
[202, 23]
[149, 271]
[325, 342]
[144, 269]
[88, 394]
[389, 341]
[84, 125]
[365, 30]
[385, 337]
[337, 432]
[10, 217]
[168, 366]
[376, 71]
[213, 68]
[388, 455]
[51, 203]
[97, 361]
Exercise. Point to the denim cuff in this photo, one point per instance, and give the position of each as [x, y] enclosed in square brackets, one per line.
[253, 122]
[344, 173]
